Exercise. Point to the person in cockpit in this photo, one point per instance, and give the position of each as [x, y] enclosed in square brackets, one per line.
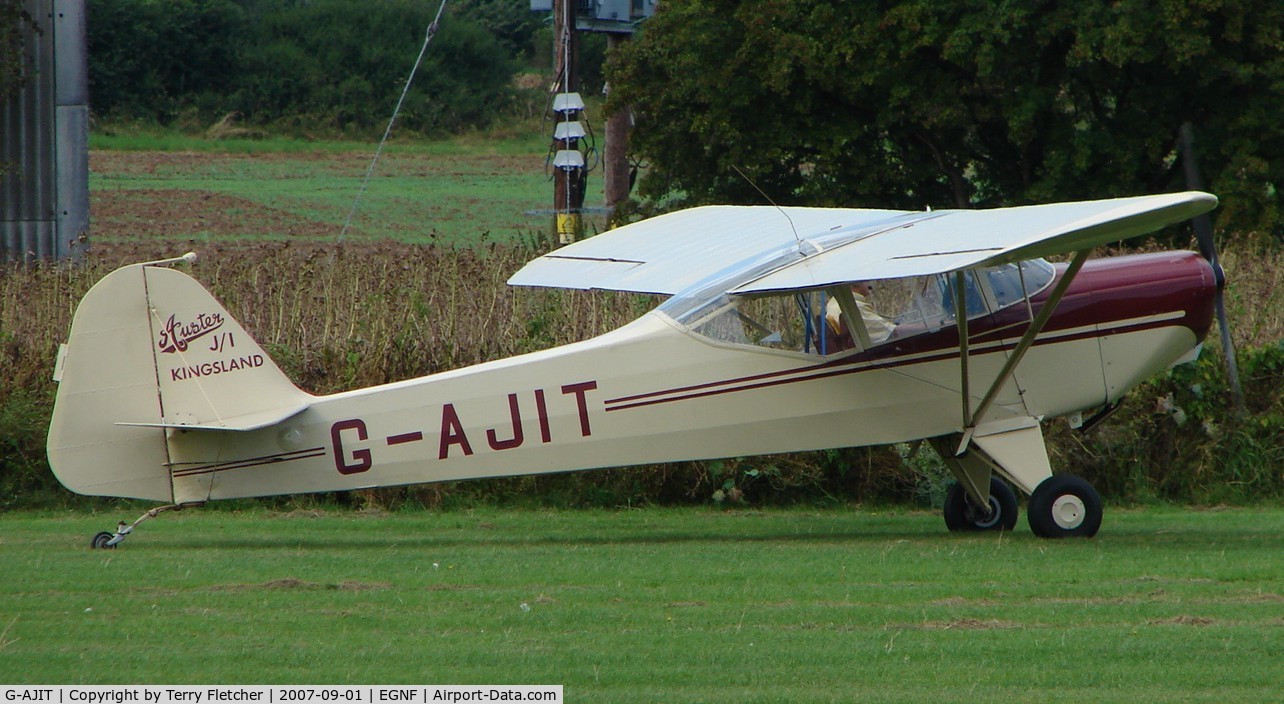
[878, 327]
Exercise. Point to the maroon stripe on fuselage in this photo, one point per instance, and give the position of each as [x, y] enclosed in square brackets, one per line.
[251, 462]
[821, 372]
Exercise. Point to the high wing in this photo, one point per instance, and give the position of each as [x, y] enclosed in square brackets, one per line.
[670, 252]
[826, 247]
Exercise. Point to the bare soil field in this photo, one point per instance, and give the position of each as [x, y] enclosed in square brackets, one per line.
[179, 213]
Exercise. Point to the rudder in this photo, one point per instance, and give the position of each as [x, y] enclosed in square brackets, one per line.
[150, 350]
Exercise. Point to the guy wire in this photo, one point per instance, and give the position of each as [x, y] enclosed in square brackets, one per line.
[432, 31]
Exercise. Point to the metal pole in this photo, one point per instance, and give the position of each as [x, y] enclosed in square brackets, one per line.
[44, 138]
[568, 191]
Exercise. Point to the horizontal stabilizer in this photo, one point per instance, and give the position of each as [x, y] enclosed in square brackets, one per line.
[249, 421]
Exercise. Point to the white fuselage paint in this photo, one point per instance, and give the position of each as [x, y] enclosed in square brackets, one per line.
[646, 393]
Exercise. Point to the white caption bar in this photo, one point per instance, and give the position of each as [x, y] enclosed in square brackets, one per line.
[277, 694]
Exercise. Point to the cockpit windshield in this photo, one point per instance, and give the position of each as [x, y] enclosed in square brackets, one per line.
[815, 322]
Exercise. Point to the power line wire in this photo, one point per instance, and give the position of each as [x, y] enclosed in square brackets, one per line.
[432, 31]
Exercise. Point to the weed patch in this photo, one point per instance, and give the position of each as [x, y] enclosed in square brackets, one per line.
[337, 317]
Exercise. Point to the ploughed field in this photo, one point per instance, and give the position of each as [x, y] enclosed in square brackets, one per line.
[413, 195]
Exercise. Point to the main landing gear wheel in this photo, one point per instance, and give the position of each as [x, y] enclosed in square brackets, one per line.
[1064, 506]
[962, 515]
[102, 541]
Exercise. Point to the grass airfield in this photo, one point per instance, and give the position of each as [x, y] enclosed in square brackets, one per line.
[675, 605]
[652, 605]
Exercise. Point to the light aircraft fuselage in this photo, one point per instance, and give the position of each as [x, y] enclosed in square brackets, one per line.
[164, 396]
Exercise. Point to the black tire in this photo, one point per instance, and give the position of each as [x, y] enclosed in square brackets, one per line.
[1064, 506]
[100, 541]
[962, 515]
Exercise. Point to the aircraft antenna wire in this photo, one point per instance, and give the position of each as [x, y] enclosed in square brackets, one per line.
[428, 35]
[769, 200]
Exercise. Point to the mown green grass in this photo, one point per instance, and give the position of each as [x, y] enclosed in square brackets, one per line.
[681, 605]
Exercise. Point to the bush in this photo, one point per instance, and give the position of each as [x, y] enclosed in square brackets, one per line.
[150, 59]
[1179, 437]
[24, 472]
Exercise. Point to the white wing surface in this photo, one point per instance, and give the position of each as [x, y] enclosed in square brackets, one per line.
[829, 246]
[670, 252]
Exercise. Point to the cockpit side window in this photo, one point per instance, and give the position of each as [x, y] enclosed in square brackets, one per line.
[1010, 283]
[807, 322]
[890, 310]
[931, 300]
[775, 322]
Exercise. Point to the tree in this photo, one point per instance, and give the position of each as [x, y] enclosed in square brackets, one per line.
[150, 59]
[343, 64]
[332, 64]
[964, 104]
[510, 21]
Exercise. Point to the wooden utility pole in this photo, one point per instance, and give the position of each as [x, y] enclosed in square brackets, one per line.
[616, 161]
[568, 175]
[617, 19]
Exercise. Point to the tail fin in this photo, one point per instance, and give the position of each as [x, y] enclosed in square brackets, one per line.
[150, 349]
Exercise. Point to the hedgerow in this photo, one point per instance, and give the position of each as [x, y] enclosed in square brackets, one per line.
[338, 317]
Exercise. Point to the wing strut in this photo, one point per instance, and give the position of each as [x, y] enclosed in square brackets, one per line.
[960, 315]
[1036, 326]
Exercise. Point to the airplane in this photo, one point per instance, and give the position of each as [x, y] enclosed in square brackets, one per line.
[968, 341]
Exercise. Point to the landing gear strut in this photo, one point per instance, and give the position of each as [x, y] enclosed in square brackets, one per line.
[109, 541]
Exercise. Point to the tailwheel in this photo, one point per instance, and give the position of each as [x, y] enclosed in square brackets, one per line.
[109, 541]
[963, 515]
[1064, 506]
